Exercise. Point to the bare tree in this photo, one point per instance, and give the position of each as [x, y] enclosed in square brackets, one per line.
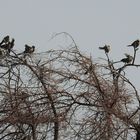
[65, 94]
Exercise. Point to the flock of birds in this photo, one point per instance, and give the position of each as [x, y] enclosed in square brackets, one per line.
[128, 58]
[8, 45]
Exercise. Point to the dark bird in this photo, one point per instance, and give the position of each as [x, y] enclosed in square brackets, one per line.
[29, 49]
[5, 40]
[128, 59]
[106, 48]
[8, 46]
[135, 44]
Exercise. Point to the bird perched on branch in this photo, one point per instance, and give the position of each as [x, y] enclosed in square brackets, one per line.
[128, 59]
[8, 46]
[5, 40]
[29, 49]
[135, 44]
[106, 48]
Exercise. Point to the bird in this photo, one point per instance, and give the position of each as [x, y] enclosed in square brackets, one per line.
[135, 44]
[106, 48]
[8, 46]
[128, 59]
[5, 40]
[127, 55]
[29, 49]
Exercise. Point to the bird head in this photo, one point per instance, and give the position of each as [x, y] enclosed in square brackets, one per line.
[109, 47]
[26, 46]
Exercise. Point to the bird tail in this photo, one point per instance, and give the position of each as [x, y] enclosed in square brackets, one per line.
[101, 48]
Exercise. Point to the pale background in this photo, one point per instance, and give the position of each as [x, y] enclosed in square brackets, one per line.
[92, 23]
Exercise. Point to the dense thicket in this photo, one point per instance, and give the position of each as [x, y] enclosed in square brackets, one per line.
[65, 94]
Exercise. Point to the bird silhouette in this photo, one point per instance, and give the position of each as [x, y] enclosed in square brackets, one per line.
[8, 46]
[135, 44]
[128, 59]
[5, 40]
[29, 49]
[106, 48]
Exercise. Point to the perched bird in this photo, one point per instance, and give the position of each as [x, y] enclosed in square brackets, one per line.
[5, 40]
[106, 48]
[8, 46]
[29, 49]
[128, 59]
[127, 55]
[135, 44]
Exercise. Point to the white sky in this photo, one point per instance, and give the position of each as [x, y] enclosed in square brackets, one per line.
[92, 23]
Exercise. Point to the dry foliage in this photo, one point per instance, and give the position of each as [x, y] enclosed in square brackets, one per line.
[64, 94]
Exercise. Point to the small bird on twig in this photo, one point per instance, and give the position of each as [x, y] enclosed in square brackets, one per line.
[8, 46]
[106, 48]
[135, 44]
[29, 49]
[128, 59]
[5, 40]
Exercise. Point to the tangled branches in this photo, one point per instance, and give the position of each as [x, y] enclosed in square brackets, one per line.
[64, 94]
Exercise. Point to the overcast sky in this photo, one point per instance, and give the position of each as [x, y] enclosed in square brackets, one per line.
[92, 23]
